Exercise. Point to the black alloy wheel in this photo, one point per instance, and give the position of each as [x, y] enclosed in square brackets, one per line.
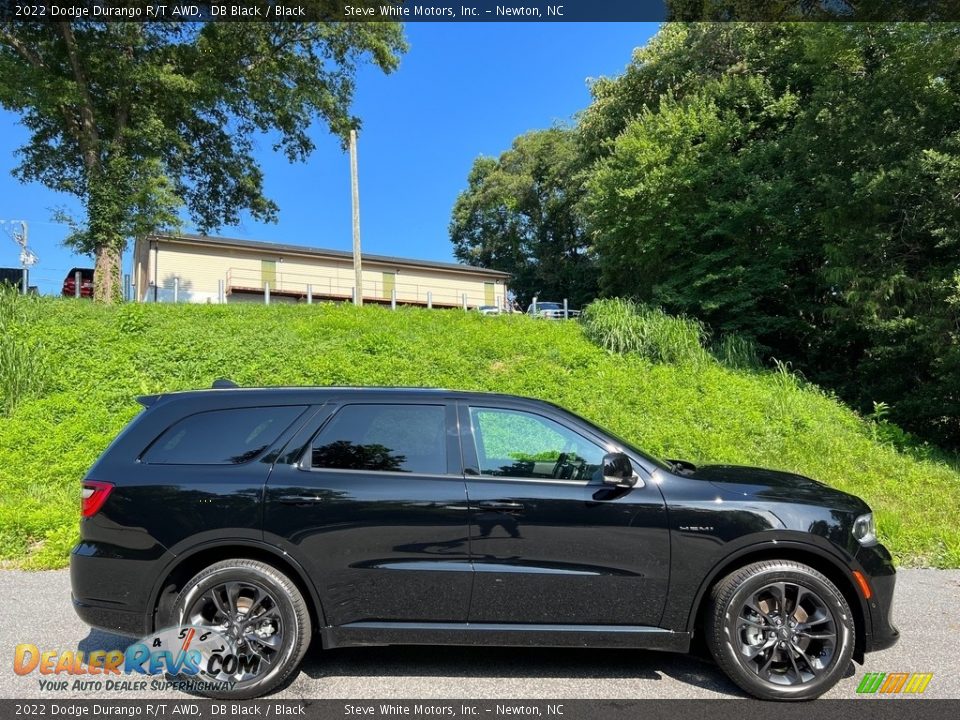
[263, 615]
[780, 630]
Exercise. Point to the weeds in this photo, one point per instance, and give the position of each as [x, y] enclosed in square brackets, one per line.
[622, 326]
[21, 361]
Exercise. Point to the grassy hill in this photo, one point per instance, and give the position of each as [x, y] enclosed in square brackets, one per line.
[70, 372]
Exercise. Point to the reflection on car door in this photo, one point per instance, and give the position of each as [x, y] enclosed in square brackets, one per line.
[550, 542]
[377, 512]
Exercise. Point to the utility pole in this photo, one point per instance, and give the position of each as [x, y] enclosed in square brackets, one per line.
[355, 189]
[27, 257]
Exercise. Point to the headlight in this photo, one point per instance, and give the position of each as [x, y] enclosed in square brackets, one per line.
[864, 529]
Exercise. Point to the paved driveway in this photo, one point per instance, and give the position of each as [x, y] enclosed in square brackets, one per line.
[37, 609]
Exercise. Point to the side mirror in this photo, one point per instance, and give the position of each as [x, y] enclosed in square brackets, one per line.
[618, 470]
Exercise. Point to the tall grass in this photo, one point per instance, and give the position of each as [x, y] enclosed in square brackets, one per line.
[623, 326]
[21, 364]
[737, 352]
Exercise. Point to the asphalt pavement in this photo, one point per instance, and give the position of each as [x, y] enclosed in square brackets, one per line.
[36, 609]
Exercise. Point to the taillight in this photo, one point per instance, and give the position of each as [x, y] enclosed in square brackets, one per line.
[93, 496]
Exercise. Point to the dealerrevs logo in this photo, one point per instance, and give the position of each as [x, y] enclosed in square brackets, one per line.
[204, 658]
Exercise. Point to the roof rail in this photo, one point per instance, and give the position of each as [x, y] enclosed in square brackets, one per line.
[222, 383]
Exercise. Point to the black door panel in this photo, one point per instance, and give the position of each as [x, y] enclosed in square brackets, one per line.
[380, 545]
[550, 542]
[559, 555]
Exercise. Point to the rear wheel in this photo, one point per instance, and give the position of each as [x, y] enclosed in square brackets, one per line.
[260, 611]
[780, 630]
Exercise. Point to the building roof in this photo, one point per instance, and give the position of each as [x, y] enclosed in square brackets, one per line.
[212, 240]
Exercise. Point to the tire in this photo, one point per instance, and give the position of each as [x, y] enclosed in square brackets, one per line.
[279, 607]
[750, 634]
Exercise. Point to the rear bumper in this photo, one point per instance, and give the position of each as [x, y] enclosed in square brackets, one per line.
[111, 619]
[112, 592]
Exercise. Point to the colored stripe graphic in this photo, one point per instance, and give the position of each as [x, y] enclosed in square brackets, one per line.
[918, 682]
[870, 682]
[893, 683]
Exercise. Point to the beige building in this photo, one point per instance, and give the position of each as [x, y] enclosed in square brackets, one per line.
[204, 269]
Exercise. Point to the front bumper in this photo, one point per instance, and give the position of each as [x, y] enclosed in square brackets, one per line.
[880, 631]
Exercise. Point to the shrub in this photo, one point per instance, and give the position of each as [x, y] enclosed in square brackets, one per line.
[623, 326]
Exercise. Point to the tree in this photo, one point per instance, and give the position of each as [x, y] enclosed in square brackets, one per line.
[520, 214]
[798, 184]
[782, 11]
[141, 121]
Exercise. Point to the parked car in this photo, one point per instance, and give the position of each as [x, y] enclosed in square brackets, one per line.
[551, 311]
[489, 310]
[86, 282]
[11, 277]
[415, 516]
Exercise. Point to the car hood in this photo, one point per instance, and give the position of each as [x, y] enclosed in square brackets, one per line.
[746, 482]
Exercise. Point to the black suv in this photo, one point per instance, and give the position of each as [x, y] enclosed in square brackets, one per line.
[415, 516]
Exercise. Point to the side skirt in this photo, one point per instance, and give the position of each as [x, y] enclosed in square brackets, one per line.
[505, 634]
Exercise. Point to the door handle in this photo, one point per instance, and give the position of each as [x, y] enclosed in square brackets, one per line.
[300, 499]
[500, 505]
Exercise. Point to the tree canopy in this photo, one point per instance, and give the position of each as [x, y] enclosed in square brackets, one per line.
[520, 214]
[798, 185]
[145, 121]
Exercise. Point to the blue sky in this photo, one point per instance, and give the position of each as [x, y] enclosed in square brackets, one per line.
[463, 90]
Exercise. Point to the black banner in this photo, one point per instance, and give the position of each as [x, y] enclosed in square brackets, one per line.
[198, 709]
[479, 10]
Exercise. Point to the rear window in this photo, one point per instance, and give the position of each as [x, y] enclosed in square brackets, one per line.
[221, 437]
[384, 438]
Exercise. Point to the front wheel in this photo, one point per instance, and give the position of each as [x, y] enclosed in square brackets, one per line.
[780, 630]
[261, 612]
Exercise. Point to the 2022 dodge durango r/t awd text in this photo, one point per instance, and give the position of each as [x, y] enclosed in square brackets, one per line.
[415, 516]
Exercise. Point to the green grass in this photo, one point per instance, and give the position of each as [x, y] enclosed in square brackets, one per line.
[93, 361]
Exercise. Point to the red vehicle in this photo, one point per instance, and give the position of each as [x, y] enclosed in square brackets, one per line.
[86, 283]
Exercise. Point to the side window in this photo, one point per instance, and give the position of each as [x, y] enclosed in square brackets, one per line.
[389, 438]
[221, 437]
[523, 445]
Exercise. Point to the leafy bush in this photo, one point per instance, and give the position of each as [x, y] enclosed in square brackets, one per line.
[97, 359]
